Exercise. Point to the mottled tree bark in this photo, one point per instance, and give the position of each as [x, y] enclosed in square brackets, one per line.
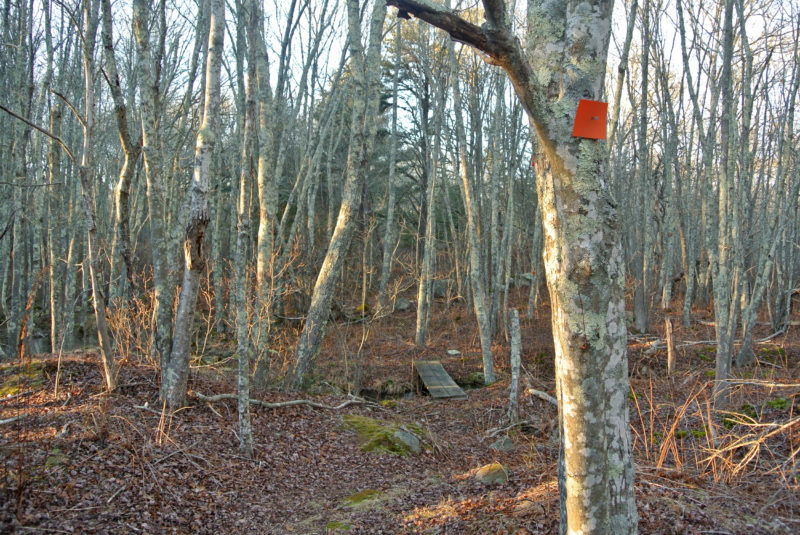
[565, 61]
[121, 245]
[516, 349]
[250, 15]
[154, 176]
[175, 377]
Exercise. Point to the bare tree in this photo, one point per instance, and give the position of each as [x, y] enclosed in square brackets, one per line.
[366, 70]
[175, 376]
[583, 256]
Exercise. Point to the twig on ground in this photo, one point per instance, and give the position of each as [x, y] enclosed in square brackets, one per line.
[290, 403]
[15, 396]
[9, 420]
[542, 395]
[148, 409]
[111, 499]
[496, 431]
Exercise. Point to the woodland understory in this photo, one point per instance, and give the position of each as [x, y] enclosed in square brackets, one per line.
[228, 229]
[85, 461]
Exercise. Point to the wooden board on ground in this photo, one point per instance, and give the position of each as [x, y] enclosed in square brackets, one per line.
[431, 375]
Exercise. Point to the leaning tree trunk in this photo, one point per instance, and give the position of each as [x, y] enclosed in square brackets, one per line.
[177, 373]
[583, 255]
[365, 105]
[478, 284]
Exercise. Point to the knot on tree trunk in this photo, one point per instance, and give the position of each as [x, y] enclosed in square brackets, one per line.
[193, 246]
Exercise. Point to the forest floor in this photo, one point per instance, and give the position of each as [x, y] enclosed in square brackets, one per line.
[84, 461]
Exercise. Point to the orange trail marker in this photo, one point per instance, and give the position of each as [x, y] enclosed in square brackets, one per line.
[590, 119]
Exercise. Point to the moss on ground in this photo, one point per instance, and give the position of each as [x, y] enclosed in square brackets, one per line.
[14, 379]
[378, 435]
[336, 526]
[363, 496]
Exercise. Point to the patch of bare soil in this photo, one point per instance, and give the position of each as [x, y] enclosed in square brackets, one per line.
[83, 461]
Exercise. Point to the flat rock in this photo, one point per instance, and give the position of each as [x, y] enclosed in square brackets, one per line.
[492, 474]
[453, 352]
[409, 440]
[401, 304]
[503, 444]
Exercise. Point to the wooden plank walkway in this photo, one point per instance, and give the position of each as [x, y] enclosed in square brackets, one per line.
[432, 375]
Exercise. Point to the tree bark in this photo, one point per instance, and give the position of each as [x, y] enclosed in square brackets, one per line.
[176, 375]
[154, 175]
[583, 253]
[90, 22]
[478, 283]
[389, 230]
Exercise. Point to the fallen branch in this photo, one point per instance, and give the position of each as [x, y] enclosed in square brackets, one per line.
[9, 420]
[290, 403]
[660, 343]
[767, 384]
[542, 395]
[491, 433]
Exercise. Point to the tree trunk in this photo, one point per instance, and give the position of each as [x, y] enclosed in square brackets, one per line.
[90, 20]
[177, 373]
[389, 231]
[154, 176]
[516, 349]
[122, 240]
[478, 283]
[364, 125]
[583, 253]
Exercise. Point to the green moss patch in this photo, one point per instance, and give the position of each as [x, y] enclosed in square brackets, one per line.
[15, 379]
[362, 496]
[779, 403]
[378, 435]
[55, 459]
[336, 526]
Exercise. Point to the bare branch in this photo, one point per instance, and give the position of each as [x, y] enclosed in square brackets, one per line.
[290, 403]
[71, 107]
[503, 48]
[444, 19]
[42, 130]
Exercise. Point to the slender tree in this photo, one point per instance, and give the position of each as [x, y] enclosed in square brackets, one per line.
[366, 70]
[175, 376]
